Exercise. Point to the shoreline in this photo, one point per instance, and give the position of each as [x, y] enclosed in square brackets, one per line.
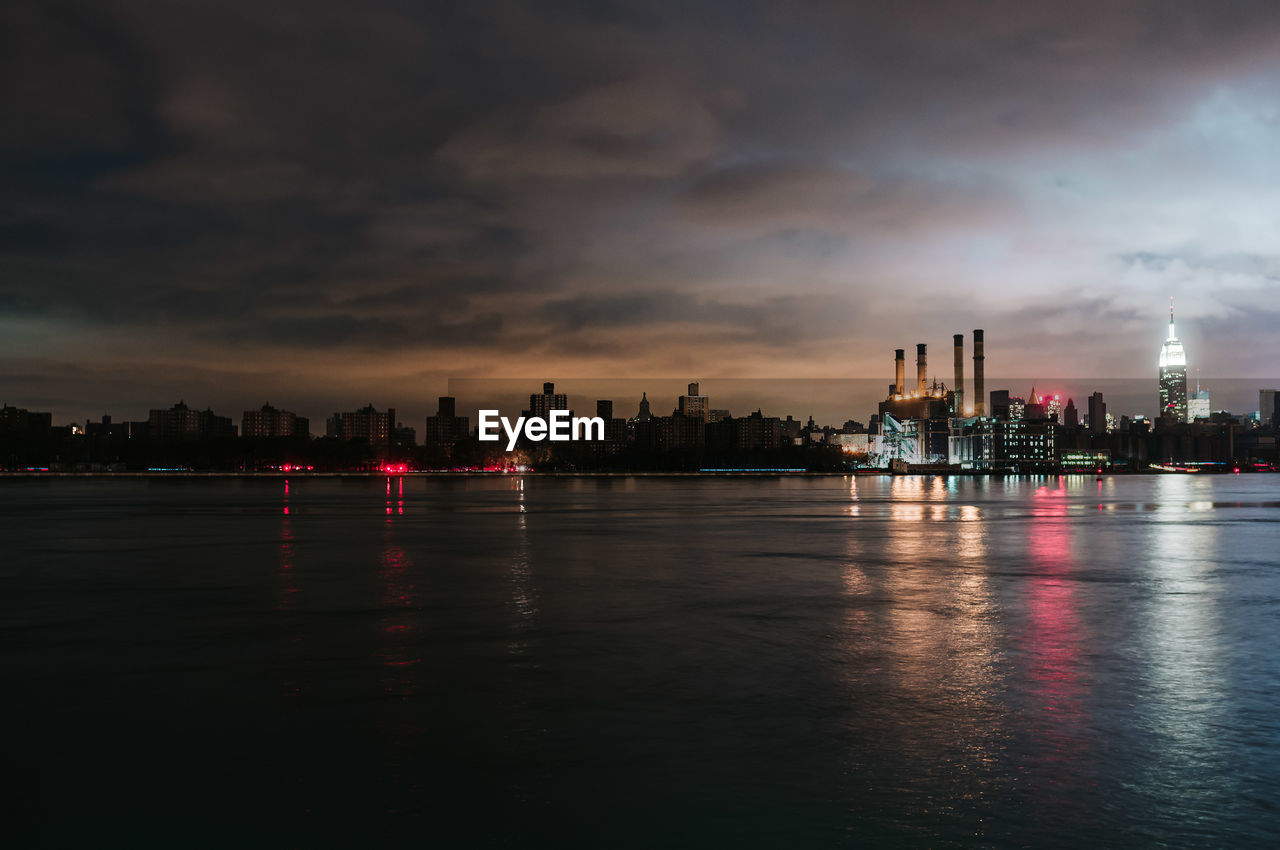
[967, 473]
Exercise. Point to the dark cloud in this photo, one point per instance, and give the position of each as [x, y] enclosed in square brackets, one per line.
[825, 197]
[720, 183]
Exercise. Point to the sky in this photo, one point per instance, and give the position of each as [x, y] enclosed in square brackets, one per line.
[327, 204]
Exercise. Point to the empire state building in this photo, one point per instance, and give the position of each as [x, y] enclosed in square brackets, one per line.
[1173, 375]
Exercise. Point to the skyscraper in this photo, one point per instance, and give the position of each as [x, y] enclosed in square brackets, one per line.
[1097, 414]
[446, 428]
[1268, 410]
[1198, 406]
[694, 405]
[1173, 375]
[542, 405]
[1198, 403]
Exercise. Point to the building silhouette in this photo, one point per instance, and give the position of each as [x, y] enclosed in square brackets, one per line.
[180, 422]
[694, 405]
[364, 424]
[267, 421]
[445, 428]
[643, 414]
[1097, 414]
[549, 400]
[1268, 412]
[1070, 416]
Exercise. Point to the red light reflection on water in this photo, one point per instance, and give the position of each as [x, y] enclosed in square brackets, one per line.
[398, 602]
[399, 500]
[1054, 635]
[287, 582]
[287, 555]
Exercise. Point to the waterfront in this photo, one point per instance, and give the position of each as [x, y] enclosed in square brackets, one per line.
[633, 662]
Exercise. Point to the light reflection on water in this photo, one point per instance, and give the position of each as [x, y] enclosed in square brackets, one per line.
[761, 662]
[1182, 694]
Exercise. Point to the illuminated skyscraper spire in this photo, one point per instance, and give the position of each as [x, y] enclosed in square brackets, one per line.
[1173, 375]
[1172, 353]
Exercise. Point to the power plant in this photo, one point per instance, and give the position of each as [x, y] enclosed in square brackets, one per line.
[918, 424]
[933, 399]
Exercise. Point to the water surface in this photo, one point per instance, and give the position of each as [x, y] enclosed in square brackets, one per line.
[639, 662]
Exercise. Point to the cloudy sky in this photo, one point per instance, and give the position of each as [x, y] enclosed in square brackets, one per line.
[323, 204]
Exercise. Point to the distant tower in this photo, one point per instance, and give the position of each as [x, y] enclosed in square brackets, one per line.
[1097, 414]
[1173, 375]
[1070, 416]
[957, 408]
[644, 415]
[1198, 406]
[979, 374]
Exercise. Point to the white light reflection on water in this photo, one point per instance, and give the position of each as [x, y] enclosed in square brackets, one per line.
[941, 631]
[524, 598]
[1182, 703]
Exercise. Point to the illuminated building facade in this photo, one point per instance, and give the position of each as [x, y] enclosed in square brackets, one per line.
[1085, 459]
[1000, 444]
[1173, 375]
[1198, 406]
[926, 401]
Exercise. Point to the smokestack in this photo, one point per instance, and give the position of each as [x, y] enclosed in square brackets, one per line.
[921, 369]
[899, 370]
[979, 388]
[958, 340]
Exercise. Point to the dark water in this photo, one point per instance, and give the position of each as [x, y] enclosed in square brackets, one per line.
[656, 662]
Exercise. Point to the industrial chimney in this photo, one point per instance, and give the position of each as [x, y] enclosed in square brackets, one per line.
[958, 405]
[921, 369]
[979, 388]
[899, 371]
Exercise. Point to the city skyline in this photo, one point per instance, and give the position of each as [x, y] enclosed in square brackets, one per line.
[841, 399]
[579, 423]
[370, 203]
